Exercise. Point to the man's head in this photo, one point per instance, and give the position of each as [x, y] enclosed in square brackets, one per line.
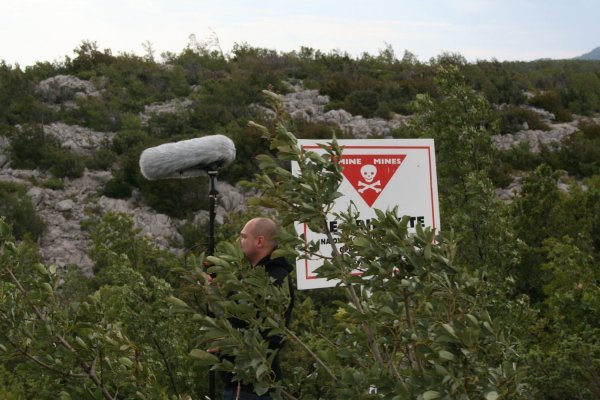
[257, 239]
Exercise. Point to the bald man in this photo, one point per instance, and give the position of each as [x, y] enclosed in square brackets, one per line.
[258, 240]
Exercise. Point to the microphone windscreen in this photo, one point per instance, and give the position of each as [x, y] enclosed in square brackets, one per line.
[187, 158]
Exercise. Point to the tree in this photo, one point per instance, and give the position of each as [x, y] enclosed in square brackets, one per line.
[415, 324]
[461, 121]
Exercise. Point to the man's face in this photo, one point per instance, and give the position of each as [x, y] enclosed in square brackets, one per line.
[248, 241]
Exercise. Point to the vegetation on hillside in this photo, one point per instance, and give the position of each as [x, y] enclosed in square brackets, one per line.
[504, 304]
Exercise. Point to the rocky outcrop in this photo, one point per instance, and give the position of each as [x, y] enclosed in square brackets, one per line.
[64, 242]
[309, 105]
[535, 138]
[63, 89]
[511, 191]
[79, 140]
[172, 107]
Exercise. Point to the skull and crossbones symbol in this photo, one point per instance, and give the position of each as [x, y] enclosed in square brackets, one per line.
[368, 173]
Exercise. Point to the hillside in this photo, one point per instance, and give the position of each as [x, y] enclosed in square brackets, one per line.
[64, 243]
[592, 55]
[112, 264]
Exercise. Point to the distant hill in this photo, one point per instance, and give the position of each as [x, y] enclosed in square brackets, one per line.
[592, 55]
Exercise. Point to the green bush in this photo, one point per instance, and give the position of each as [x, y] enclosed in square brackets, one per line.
[117, 188]
[16, 207]
[590, 129]
[31, 148]
[362, 102]
[65, 164]
[579, 155]
[195, 237]
[53, 183]
[101, 160]
[551, 101]
[519, 158]
[513, 117]
[130, 135]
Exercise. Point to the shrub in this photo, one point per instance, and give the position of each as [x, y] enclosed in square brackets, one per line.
[53, 183]
[31, 148]
[590, 128]
[362, 102]
[513, 117]
[65, 164]
[101, 160]
[16, 207]
[117, 188]
[195, 236]
[551, 101]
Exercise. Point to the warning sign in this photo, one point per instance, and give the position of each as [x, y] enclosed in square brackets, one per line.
[378, 174]
[369, 174]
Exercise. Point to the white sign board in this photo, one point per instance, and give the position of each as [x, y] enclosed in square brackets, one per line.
[378, 174]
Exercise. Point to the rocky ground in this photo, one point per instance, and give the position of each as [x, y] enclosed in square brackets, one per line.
[64, 242]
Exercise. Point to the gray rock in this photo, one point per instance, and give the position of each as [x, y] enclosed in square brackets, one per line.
[80, 140]
[65, 205]
[309, 105]
[536, 138]
[62, 87]
[171, 107]
[231, 198]
[36, 195]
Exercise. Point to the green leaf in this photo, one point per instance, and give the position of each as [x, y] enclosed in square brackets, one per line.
[473, 319]
[204, 356]
[449, 329]
[126, 362]
[177, 302]
[431, 394]
[262, 369]
[48, 288]
[40, 268]
[491, 395]
[427, 252]
[387, 310]
[217, 261]
[81, 342]
[361, 242]
[64, 396]
[283, 253]
[446, 355]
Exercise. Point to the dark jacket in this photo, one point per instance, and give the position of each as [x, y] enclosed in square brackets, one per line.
[278, 269]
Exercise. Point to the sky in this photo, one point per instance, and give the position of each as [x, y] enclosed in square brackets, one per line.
[505, 30]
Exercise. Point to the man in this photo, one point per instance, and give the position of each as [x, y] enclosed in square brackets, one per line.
[258, 240]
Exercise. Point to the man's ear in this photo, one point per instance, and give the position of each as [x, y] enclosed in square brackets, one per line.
[260, 241]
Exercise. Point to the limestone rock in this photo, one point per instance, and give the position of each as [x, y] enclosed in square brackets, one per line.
[62, 87]
[231, 198]
[512, 190]
[536, 138]
[36, 195]
[172, 107]
[65, 205]
[79, 140]
[310, 106]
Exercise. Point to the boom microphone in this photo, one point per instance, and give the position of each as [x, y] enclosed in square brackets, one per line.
[187, 158]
